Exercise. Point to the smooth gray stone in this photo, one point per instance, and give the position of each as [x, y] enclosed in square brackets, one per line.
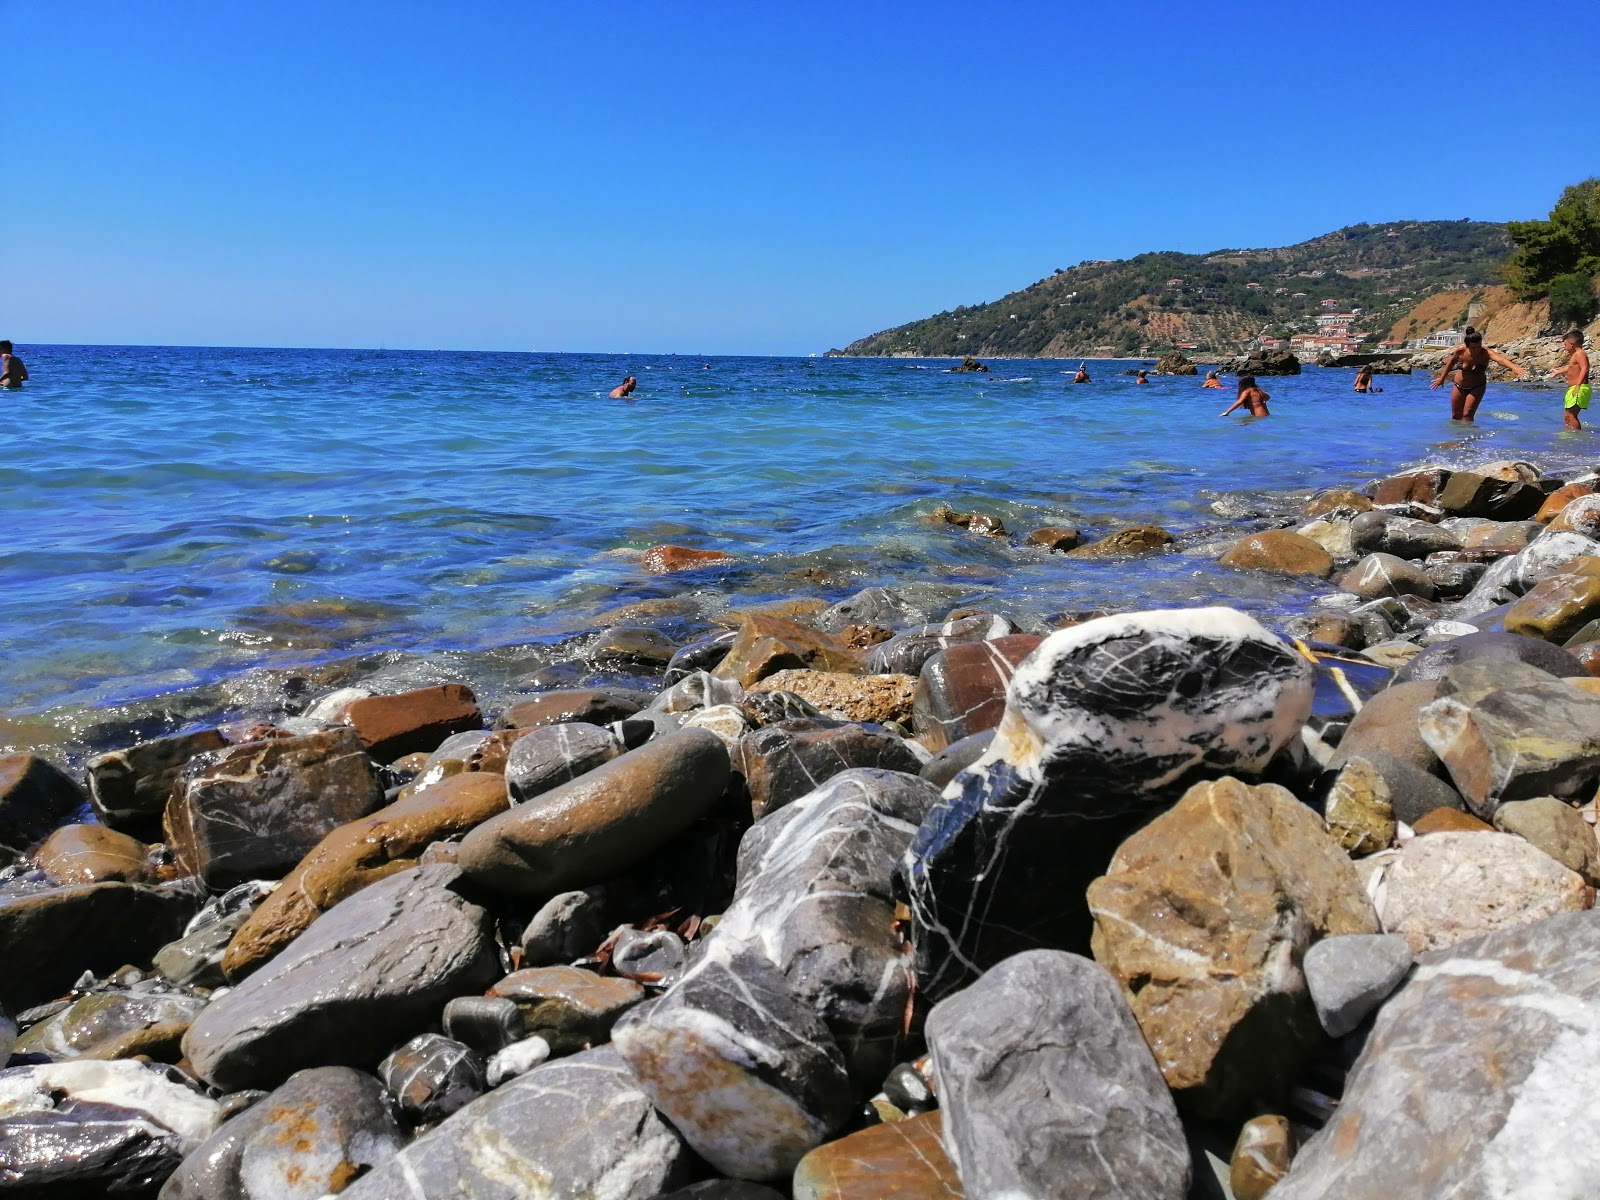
[815, 896]
[48, 938]
[906, 652]
[566, 927]
[432, 1076]
[304, 1141]
[782, 762]
[748, 1074]
[1435, 661]
[871, 606]
[576, 1127]
[371, 971]
[556, 754]
[658, 952]
[1351, 974]
[1478, 1080]
[956, 758]
[486, 1023]
[1046, 1086]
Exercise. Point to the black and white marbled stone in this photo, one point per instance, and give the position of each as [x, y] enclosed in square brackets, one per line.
[88, 1128]
[906, 652]
[701, 655]
[432, 1076]
[1104, 722]
[555, 754]
[782, 762]
[580, 1126]
[747, 1073]
[872, 606]
[370, 971]
[130, 787]
[1046, 1086]
[1478, 1079]
[305, 1140]
[697, 690]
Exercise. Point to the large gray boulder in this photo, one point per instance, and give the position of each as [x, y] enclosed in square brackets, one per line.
[1104, 723]
[370, 972]
[1478, 1081]
[1047, 1088]
[576, 1127]
[308, 1139]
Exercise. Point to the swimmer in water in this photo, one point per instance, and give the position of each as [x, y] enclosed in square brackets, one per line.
[1251, 395]
[625, 388]
[1139, 377]
[1364, 380]
[1213, 380]
[1575, 372]
[12, 372]
[1082, 376]
[1471, 361]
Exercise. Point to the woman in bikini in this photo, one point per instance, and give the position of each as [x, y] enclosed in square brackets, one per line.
[1471, 361]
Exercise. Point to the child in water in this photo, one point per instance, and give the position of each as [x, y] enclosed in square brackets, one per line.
[1251, 395]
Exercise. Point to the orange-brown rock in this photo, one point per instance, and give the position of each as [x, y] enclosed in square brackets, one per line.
[1556, 608]
[905, 1160]
[861, 637]
[568, 1007]
[849, 697]
[983, 523]
[1280, 550]
[767, 645]
[1204, 916]
[92, 854]
[1053, 537]
[1559, 499]
[1141, 539]
[417, 720]
[592, 706]
[1422, 486]
[664, 560]
[1335, 499]
[358, 854]
[1451, 820]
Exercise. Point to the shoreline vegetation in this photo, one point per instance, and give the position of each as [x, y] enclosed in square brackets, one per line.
[785, 900]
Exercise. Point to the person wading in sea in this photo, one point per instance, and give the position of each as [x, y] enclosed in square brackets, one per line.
[1471, 359]
[1576, 373]
[12, 372]
[1364, 380]
[1082, 376]
[625, 388]
[1251, 395]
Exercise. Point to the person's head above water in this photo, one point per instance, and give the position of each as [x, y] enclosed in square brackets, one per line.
[6, 347]
[1246, 381]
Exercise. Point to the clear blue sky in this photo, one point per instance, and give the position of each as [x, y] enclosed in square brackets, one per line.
[735, 178]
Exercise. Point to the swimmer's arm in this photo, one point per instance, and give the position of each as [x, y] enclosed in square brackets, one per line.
[1449, 365]
[1236, 404]
[1522, 371]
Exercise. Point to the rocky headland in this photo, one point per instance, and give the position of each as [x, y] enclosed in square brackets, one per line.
[863, 899]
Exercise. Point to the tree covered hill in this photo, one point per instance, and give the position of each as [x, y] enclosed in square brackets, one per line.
[1217, 301]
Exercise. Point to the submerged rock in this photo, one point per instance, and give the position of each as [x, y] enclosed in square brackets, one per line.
[371, 971]
[1204, 917]
[1282, 551]
[1141, 539]
[1105, 722]
[1499, 1035]
[1047, 1089]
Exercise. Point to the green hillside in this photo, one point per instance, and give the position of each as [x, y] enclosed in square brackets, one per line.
[1155, 301]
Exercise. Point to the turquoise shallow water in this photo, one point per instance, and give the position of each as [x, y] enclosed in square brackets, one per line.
[174, 516]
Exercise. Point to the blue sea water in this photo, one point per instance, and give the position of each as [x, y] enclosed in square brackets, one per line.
[174, 516]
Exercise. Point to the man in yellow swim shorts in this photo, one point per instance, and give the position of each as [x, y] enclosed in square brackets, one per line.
[1576, 373]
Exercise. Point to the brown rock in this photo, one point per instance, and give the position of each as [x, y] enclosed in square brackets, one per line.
[1335, 499]
[35, 797]
[767, 645]
[1332, 629]
[1280, 550]
[1421, 486]
[254, 810]
[1141, 539]
[664, 560]
[1468, 494]
[1589, 655]
[973, 522]
[588, 706]
[358, 854]
[1053, 537]
[1379, 575]
[875, 698]
[133, 785]
[1261, 1157]
[860, 637]
[1204, 916]
[1359, 812]
[962, 689]
[904, 1160]
[1556, 608]
[418, 720]
[1451, 820]
[1556, 828]
[568, 1007]
[1500, 537]
[1559, 499]
[92, 854]
[1581, 516]
[1387, 724]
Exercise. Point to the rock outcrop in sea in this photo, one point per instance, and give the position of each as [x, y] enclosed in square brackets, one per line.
[865, 899]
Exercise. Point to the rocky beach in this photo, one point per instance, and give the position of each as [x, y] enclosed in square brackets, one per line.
[862, 897]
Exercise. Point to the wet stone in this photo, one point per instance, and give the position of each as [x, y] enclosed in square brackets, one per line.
[783, 762]
[701, 655]
[488, 1024]
[568, 926]
[1125, 543]
[767, 645]
[962, 690]
[1381, 574]
[431, 1077]
[92, 854]
[871, 606]
[1056, 537]
[35, 797]
[656, 955]
[313, 1136]
[571, 1009]
[902, 1161]
[1047, 1088]
[390, 726]
[1261, 1157]
[254, 810]
[115, 1024]
[769, 708]
[583, 1121]
[955, 758]
[591, 706]
[906, 652]
[130, 787]
[553, 755]
[1282, 551]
